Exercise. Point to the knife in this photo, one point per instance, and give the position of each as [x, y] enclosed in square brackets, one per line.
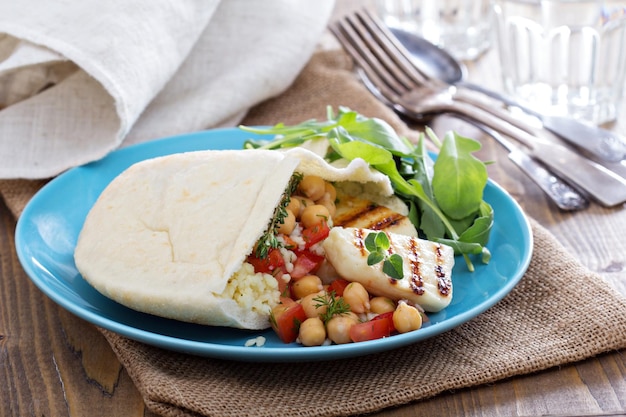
[565, 196]
[600, 183]
[601, 143]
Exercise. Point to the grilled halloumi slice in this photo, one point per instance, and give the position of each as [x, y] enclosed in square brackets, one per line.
[427, 267]
[366, 214]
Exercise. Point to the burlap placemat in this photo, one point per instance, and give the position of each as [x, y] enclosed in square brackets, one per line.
[545, 321]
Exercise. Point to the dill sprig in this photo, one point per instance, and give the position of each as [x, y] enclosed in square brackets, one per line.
[334, 305]
[269, 239]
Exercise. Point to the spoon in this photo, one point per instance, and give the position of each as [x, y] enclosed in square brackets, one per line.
[435, 62]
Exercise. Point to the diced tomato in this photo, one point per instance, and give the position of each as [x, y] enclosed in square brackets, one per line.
[315, 234]
[287, 301]
[273, 261]
[389, 317]
[305, 263]
[338, 286]
[283, 286]
[289, 243]
[370, 330]
[286, 321]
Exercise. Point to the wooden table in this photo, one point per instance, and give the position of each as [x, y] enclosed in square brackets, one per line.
[55, 364]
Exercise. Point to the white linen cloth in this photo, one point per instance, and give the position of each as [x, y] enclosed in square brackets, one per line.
[81, 78]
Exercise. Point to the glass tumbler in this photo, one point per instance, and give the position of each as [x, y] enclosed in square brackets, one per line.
[462, 27]
[565, 57]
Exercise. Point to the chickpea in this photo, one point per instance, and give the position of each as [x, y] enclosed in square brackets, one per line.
[329, 203]
[330, 191]
[313, 215]
[312, 186]
[304, 203]
[312, 332]
[406, 318]
[357, 297]
[294, 206]
[380, 305]
[289, 223]
[353, 315]
[338, 328]
[310, 305]
[308, 284]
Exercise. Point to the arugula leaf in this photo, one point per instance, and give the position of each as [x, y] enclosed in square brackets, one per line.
[459, 178]
[352, 149]
[444, 196]
[478, 231]
[373, 131]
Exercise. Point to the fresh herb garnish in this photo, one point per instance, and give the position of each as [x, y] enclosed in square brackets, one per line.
[444, 196]
[269, 240]
[378, 246]
[334, 305]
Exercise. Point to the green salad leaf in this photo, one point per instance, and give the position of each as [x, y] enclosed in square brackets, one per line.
[444, 195]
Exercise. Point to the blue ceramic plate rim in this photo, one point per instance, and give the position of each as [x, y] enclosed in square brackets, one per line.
[47, 230]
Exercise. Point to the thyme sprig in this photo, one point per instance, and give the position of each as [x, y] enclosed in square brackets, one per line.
[269, 240]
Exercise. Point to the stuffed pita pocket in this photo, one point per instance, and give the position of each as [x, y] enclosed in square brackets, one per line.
[170, 235]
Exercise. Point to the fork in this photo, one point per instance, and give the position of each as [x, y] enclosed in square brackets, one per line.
[564, 196]
[395, 79]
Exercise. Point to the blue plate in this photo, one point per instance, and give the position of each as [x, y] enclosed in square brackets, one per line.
[49, 226]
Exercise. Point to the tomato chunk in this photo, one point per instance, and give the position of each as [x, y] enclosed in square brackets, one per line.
[289, 243]
[283, 286]
[389, 317]
[370, 330]
[338, 286]
[305, 263]
[315, 234]
[271, 263]
[286, 321]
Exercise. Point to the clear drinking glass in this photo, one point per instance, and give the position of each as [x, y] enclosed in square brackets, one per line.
[565, 57]
[462, 27]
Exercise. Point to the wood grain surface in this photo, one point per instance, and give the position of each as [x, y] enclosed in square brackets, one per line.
[55, 364]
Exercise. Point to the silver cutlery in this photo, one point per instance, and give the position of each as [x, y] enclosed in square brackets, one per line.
[437, 63]
[384, 61]
[563, 195]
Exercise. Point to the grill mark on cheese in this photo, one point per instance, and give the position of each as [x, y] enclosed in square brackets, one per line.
[367, 216]
[359, 242]
[416, 278]
[444, 284]
[416, 281]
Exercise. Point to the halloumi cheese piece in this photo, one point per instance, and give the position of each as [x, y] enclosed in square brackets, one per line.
[360, 206]
[427, 267]
[361, 213]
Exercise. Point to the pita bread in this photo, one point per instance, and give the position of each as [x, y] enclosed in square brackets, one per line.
[169, 235]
